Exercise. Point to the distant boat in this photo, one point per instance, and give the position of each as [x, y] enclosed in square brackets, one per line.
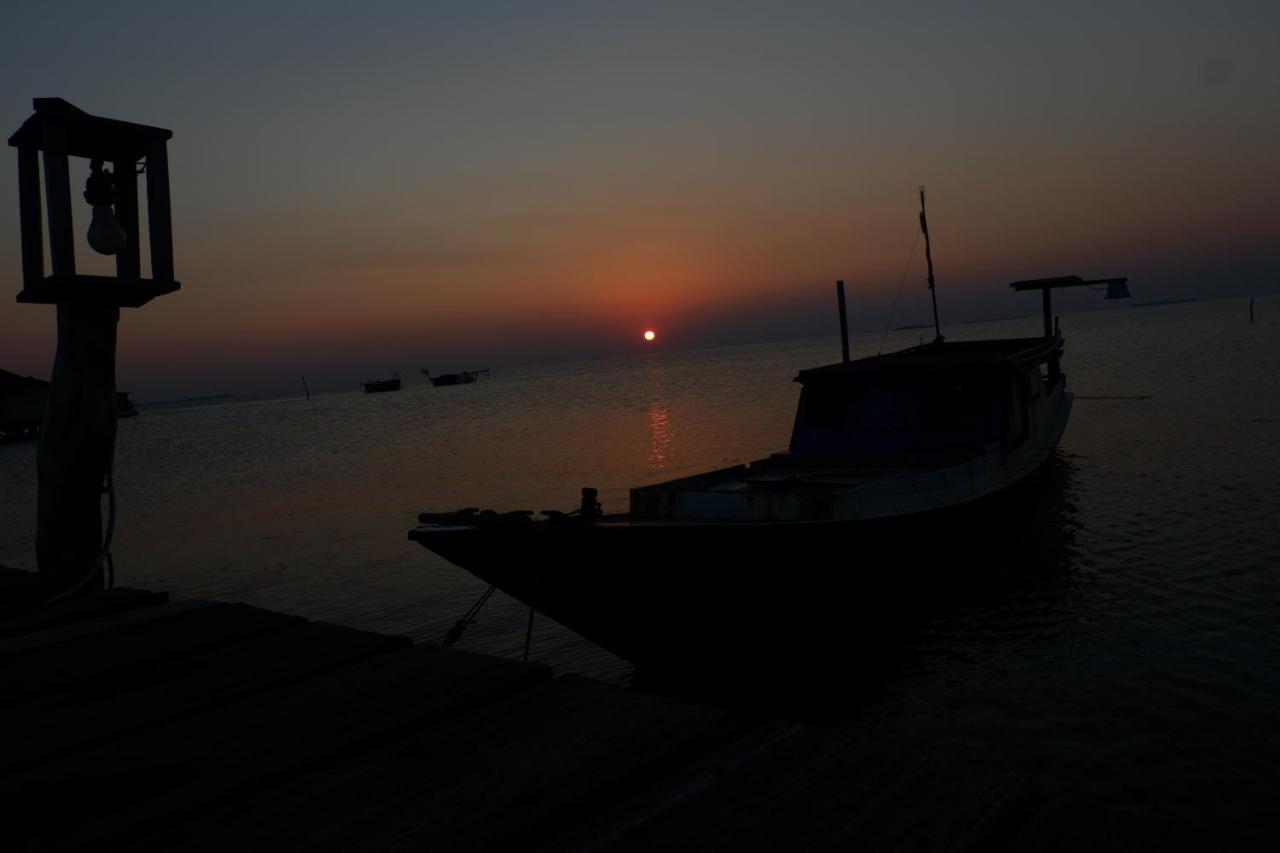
[373, 386]
[462, 378]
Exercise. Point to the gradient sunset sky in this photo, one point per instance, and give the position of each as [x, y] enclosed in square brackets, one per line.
[362, 187]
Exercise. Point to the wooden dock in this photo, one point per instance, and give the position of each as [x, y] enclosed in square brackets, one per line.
[134, 723]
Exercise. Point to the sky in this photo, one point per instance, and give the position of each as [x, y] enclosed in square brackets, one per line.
[359, 188]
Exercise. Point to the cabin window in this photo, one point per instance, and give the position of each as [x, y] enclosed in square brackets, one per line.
[878, 418]
[821, 421]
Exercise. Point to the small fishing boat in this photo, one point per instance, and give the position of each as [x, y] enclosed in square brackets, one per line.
[898, 465]
[462, 378]
[374, 386]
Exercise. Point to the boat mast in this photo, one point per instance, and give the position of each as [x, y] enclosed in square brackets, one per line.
[928, 256]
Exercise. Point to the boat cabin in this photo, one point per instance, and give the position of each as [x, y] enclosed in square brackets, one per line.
[911, 431]
[940, 398]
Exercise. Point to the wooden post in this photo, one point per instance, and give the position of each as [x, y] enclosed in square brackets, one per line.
[844, 323]
[128, 259]
[161, 226]
[76, 447]
[57, 183]
[29, 216]
[1048, 313]
[928, 257]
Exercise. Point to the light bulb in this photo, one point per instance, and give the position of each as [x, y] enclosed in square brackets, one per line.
[106, 237]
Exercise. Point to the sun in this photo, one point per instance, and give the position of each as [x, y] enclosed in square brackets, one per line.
[649, 334]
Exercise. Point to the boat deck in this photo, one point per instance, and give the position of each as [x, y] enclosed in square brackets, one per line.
[133, 723]
[787, 477]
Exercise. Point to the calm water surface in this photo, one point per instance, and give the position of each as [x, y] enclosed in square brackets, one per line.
[1132, 652]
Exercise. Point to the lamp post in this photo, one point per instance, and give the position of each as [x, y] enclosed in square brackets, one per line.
[77, 440]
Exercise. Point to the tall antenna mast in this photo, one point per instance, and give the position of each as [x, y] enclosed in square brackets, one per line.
[928, 256]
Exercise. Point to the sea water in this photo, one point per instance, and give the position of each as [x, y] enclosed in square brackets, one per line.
[1134, 652]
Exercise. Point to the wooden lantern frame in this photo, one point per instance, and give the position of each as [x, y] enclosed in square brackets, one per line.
[59, 130]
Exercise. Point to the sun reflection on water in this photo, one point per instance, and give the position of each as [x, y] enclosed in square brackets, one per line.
[661, 431]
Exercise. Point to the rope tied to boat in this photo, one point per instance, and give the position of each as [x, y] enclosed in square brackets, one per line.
[454, 634]
[893, 309]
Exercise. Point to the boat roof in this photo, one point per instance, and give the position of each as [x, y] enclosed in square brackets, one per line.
[938, 359]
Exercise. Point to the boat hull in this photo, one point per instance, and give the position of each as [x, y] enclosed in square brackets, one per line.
[674, 596]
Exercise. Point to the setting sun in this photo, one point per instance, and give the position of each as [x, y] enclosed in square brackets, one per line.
[649, 335]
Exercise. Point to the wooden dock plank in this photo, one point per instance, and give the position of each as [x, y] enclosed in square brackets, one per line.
[225, 727]
[511, 776]
[107, 661]
[791, 787]
[75, 609]
[162, 777]
[36, 732]
[96, 625]
[760, 766]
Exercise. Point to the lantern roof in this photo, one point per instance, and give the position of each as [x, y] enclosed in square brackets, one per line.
[88, 136]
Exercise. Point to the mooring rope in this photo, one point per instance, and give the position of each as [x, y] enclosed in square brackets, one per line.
[892, 310]
[103, 563]
[455, 633]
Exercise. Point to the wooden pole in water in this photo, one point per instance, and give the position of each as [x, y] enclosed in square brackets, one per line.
[306, 388]
[844, 322]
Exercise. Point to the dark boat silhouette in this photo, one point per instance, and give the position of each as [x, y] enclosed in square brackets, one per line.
[901, 468]
[463, 378]
[374, 386]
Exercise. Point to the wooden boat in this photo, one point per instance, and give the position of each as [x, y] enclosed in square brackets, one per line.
[899, 465]
[374, 386]
[462, 378]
